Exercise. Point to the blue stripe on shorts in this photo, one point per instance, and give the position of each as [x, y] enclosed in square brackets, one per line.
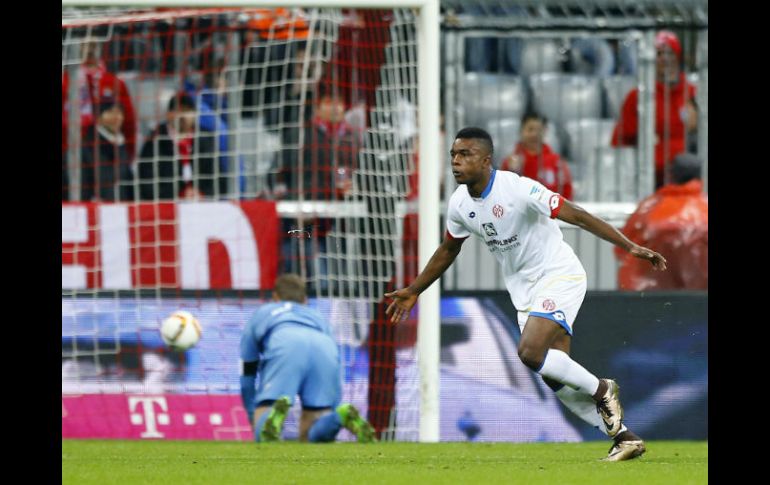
[557, 316]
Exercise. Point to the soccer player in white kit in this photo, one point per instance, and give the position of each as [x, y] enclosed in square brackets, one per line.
[515, 217]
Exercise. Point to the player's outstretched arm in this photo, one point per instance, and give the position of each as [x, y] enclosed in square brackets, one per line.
[405, 298]
[578, 216]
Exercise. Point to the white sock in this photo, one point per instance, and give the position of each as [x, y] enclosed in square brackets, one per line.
[559, 367]
[582, 405]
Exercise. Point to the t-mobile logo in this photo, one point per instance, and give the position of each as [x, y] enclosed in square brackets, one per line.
[149, 419]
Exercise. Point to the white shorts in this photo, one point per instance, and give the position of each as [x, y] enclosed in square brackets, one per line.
[557, 296]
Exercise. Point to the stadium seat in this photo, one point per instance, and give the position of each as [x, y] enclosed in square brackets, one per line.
[505, 134]
[592, 56]
[539, 56]
[564, 97]
[491, 96]
[610, 176]
[584, 135]
[616, 88]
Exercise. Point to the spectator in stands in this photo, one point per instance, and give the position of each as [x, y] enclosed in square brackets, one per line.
[94, 83]
[491, 54]
[105, 164]
[627, 56]
[592, 56]
[691, 124]
[533, 158]
[672, 94]
[328, 153]
[296, 113]
[673, 221]
[213, 114]
[264, 58]
[324, 164]
[175, 162]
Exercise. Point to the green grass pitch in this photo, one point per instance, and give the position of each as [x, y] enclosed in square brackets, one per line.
[202, 462]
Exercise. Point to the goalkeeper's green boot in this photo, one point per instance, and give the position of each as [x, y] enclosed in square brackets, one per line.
[353, 422]
[271, 430]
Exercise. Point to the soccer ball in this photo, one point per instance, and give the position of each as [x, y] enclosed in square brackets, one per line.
[180, 330]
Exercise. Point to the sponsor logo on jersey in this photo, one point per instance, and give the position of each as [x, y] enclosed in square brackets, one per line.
[497, 211]
[489, 228]
[549, 305]
[472, 215]
[504, 242]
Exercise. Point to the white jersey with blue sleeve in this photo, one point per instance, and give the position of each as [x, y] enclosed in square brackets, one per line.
[515, 218]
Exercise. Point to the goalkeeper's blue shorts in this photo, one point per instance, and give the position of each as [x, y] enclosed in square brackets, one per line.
[298, 360]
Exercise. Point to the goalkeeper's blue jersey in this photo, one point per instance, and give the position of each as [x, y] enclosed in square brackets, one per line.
[269, 317]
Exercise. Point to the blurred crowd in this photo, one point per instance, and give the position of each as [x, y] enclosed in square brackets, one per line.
[187, 153]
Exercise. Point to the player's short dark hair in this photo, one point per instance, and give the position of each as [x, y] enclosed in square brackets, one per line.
[290, 287]
[181, 100]
[473, 132]
[684, 168]
[533, 115]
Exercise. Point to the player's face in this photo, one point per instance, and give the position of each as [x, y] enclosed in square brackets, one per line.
[470, 160]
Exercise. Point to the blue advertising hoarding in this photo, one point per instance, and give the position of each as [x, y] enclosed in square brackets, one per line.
[654, 345]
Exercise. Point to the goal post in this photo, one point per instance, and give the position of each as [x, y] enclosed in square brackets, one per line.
[75, 217]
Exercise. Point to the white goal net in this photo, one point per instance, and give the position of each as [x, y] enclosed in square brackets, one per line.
[206, 151]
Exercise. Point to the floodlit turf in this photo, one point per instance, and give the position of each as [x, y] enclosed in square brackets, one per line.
[196, 462]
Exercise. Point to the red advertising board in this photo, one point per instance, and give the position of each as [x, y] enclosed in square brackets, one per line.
[186, 245]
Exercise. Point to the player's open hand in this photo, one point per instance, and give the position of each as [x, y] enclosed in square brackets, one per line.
[403, 301]
[657, 260]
